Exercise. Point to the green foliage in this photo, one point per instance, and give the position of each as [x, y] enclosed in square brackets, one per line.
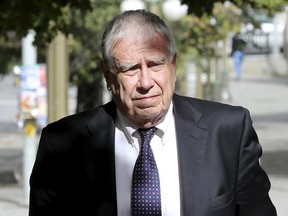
[195, 36]
[85, 39]
[45, 17]
[10, 52]
[199, 8]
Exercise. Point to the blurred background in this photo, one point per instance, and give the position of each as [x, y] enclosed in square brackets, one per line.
[49, 68]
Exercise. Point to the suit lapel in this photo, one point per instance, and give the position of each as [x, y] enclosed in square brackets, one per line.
[191, 141]
[100, 158]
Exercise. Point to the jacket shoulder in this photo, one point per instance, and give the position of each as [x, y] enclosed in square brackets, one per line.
[78, 122]
[208, 109]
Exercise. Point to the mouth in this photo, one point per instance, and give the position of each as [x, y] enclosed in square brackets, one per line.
[146, 101]
[146, 97]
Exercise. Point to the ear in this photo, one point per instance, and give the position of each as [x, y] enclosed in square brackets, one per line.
[106, 72]
[174, 63]
[174, 60]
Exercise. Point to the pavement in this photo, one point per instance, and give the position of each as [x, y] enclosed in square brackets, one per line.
[263, 89]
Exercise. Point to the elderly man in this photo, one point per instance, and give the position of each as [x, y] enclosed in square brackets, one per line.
[149, 151]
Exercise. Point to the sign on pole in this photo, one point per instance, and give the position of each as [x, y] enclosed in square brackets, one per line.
[33, 93]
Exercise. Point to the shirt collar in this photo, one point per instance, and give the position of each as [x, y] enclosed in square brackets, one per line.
[129, 129]
[163, 125]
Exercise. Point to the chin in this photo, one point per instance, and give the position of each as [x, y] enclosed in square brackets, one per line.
[150, 115]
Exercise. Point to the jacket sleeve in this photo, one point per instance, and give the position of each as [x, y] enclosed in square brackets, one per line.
[50, 176]
[253, 185]
[43, 193]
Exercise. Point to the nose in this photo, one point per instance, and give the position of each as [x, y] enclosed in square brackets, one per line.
[146, 81]
[145, 78]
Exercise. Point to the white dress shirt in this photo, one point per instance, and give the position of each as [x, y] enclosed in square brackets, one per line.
[164, 148]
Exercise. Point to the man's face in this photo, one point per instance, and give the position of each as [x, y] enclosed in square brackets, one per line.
[142, 79]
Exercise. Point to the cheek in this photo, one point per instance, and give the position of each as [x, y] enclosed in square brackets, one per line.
[127, 85]
[124, 89]
[167, 81]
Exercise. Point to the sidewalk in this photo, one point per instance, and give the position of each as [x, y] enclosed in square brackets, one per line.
[263, 90]
[12, 201]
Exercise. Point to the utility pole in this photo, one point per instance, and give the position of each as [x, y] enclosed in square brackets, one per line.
[29, 58]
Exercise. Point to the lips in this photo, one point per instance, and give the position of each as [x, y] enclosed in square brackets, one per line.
[146, 101]
[145, 97]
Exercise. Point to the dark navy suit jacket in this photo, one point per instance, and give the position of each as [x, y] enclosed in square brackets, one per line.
[218, 150]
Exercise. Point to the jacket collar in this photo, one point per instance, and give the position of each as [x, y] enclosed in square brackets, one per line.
[191, 133]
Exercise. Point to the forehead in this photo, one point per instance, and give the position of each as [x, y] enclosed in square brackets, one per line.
[133, 45]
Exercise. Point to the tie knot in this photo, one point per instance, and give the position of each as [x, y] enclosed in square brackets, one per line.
[147, 134]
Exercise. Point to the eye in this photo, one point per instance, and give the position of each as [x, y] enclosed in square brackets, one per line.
[131, 71]
[156, 66]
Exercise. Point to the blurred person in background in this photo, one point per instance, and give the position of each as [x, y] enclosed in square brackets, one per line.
[238, 46]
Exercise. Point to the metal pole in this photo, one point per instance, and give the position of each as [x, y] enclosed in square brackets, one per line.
[29, 57]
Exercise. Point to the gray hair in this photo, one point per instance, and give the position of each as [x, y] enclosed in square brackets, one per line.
[145, 21]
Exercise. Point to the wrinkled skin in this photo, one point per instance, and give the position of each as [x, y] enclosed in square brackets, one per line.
[142, 80]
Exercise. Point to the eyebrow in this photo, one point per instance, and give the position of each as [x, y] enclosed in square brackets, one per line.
[124, 66]
[159, 60]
